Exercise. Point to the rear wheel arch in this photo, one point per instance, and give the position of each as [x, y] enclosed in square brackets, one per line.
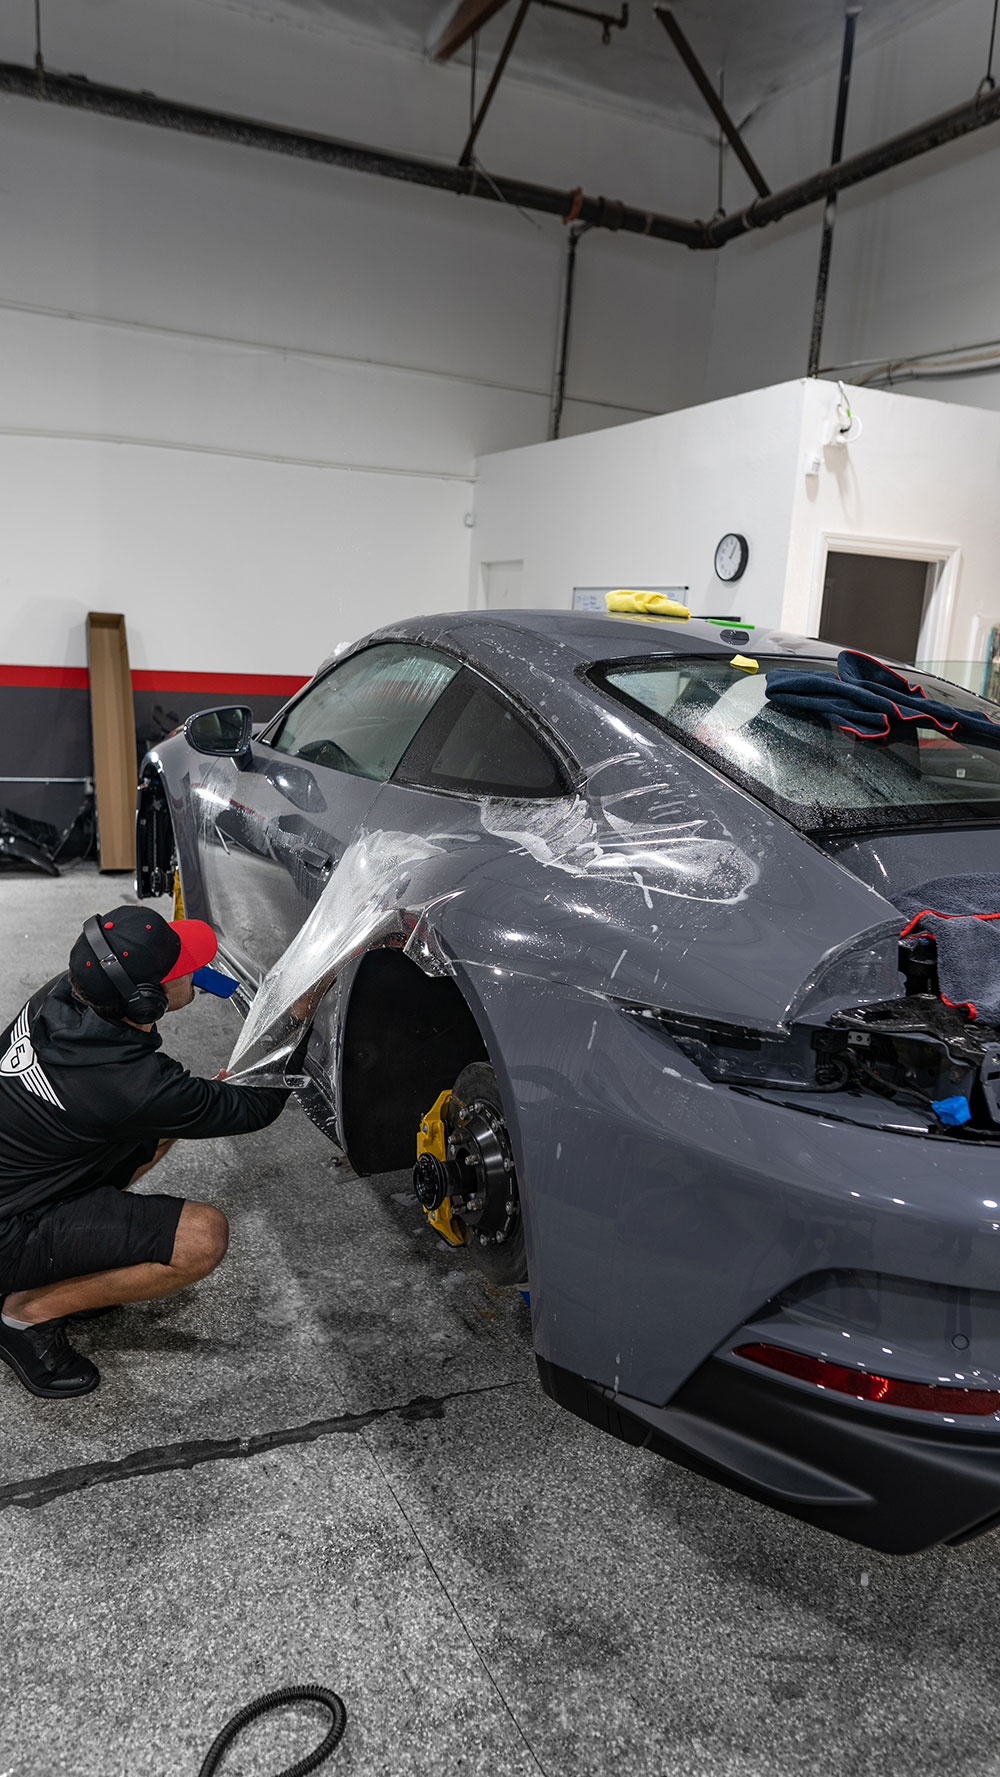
[407, 1037]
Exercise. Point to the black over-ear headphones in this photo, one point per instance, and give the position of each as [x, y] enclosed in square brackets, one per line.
[145, 1001]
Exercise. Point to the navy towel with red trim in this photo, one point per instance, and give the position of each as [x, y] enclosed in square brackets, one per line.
[962, 915]
[874, 702]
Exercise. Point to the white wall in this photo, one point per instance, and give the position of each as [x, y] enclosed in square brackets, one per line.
[233, 385]
[244, 394]
[922, 477]
[916, 258]
[645, 504]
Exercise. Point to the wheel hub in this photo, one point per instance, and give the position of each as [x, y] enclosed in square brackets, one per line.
[434, 1180]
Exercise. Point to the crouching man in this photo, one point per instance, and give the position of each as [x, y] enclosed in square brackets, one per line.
[88, 1103]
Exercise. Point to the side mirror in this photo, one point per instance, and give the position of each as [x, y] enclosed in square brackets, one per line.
[226, 731]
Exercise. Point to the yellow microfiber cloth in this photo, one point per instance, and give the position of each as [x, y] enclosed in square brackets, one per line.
[744, 661]
[648, 604]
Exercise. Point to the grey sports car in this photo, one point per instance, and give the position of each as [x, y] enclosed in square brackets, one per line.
[573, 913]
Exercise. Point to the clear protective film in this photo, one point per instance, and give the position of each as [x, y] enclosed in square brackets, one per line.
[362, 904]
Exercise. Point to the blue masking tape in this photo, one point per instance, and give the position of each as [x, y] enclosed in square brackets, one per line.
[952, 1110]
[210, 981]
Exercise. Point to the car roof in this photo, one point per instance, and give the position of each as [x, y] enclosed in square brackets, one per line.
[599, 635]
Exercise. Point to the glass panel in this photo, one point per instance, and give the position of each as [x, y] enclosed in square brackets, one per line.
[486, 749]
[362, 717]
[814, 772]
[972, 674]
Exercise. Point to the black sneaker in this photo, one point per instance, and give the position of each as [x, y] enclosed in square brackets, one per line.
[43, 1359]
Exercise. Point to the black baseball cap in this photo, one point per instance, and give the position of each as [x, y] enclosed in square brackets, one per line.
[149, 948]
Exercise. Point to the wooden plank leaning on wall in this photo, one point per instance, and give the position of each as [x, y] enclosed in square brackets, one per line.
[112, 717]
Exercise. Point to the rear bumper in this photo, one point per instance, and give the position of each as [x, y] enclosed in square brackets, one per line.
[896, 1486]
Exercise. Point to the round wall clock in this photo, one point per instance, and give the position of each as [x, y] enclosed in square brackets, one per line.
[732, 553]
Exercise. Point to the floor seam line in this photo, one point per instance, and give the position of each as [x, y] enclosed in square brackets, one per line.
[39, 1490]
[467, 1632]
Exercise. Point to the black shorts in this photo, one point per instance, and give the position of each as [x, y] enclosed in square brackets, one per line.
[97, 1230]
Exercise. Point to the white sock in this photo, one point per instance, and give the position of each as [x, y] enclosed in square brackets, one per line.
[19, 1326]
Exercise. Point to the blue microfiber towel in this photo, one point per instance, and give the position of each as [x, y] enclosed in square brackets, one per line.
[952, 1111]
[873, 702]
[962, 915]
[212, 981]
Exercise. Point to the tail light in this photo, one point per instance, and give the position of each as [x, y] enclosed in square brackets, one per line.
[928, 1397]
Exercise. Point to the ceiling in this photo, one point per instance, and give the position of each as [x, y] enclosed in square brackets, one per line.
[764, 46]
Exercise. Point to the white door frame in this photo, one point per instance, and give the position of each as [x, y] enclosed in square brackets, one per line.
[936, 626]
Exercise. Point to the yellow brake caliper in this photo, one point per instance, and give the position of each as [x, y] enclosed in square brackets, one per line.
[432, 1139]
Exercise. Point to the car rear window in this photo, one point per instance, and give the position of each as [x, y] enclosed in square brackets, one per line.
[820, 777]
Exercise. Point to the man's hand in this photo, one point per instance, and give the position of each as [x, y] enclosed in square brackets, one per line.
[222, 1074]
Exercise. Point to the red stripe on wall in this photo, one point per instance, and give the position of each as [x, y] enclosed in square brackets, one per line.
[53, 678]
[268, 684]
[76, 678]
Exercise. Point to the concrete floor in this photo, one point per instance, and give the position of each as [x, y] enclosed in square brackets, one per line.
[332, 1462]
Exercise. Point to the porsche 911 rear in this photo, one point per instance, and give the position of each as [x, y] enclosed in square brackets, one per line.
[702, 950]
[820, 1201]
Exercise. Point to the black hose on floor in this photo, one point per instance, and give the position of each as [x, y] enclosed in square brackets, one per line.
[296, 1693]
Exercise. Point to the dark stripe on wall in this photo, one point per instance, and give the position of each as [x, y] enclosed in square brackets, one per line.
[45, 726]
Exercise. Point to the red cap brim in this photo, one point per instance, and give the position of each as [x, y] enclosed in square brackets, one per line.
[198, 946]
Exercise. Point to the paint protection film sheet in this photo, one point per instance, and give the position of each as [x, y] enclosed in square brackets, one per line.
[362, 905]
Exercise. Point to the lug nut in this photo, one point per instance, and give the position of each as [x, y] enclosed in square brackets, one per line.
[484, 1240]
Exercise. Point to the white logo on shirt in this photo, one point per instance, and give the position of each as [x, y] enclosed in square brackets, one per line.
[19, 1056]
[21, 1063]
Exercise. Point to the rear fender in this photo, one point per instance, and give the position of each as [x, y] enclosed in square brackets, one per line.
[663, 1211]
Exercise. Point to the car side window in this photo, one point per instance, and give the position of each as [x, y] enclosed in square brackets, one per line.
[364, 713]
[477, 743]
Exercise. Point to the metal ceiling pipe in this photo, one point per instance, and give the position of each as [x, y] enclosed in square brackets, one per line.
[80, 94]
[975, 114]
[711, 98]
[480, 118]
[830, 212]
[565, 327]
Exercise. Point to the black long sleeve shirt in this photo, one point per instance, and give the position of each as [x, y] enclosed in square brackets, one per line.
[78, 1094]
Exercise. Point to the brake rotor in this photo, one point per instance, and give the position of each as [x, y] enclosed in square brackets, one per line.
[484, 1188]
